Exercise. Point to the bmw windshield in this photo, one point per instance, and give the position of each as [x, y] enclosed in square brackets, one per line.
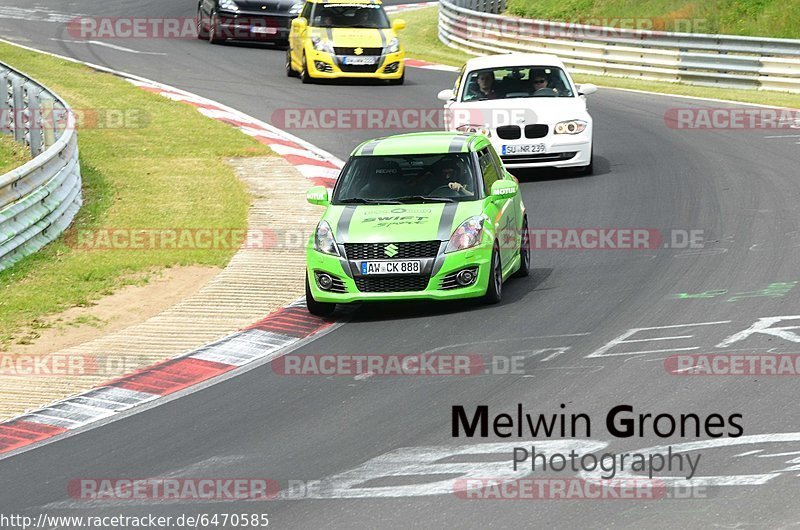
[517, 82]
[407, 179]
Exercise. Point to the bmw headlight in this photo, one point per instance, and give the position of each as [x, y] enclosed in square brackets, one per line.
[322, 45]
[296, 8]
[570, 127]
[393, 47]
[324, 241]
[477, 129]
[228, 5]
[467, 235]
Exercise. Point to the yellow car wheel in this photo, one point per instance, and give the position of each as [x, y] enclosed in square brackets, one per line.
[305, 77]
[398, 81]
[289, 70]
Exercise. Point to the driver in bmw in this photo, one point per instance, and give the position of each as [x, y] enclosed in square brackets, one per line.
[541, 81]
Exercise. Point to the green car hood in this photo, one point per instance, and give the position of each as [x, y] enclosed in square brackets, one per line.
[398, 222]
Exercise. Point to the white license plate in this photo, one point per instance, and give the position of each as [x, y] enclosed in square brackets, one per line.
[358, 61]
[524, 149]
[391, 267]
[264, 31]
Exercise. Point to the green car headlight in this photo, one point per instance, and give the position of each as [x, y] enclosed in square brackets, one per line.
[322, 45]
[393, 47]
[467, 235]
[324, 241]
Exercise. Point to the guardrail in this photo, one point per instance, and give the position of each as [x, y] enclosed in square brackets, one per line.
[39, 199]
[709, 60]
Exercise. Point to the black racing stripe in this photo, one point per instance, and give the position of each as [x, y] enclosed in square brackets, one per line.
[446, 221]
[330, 33]
[343, 226]
[369, 148]
[383, 38]
[457, 143]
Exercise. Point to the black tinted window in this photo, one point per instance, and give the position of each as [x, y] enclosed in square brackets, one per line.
[488, 170]
[349, 16]
[517, 82]
[403, 178]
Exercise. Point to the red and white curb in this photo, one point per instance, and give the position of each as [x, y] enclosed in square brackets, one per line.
[409, 7]
[262, 341]
[426, 65]
[265, 340]
[317, 165]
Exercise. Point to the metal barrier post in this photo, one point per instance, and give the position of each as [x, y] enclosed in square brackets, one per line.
[5, 104]
[17, 110]
[34, 122]
[48, 121]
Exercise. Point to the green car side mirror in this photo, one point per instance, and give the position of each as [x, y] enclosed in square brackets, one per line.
[504, 189]
[318, 195]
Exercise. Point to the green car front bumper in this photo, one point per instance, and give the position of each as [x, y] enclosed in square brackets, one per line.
[438, 284]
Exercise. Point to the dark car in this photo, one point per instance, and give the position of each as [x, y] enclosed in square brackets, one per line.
[249, 20]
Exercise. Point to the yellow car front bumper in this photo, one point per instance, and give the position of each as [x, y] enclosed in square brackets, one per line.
[323, 65]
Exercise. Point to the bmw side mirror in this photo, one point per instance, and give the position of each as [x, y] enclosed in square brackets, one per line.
[504, 189]
[587, 89]
[446, 95]
[318, 196]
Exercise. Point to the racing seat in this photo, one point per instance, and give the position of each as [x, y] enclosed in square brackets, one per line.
[384, 179]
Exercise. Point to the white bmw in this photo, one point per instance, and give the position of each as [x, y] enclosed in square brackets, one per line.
[528, 106]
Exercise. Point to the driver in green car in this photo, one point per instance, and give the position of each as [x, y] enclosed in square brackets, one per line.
[447, 173]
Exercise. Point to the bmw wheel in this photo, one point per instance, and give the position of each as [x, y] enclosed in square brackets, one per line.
[588, 170]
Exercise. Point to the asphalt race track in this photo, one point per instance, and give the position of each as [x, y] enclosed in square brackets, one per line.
[739, 187]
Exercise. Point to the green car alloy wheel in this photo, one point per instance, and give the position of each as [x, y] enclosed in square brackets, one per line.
[417, 216]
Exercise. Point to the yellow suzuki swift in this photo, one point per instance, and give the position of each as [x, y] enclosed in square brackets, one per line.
[345, 38]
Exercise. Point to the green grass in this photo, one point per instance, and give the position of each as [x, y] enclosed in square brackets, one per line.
[166, 172]
[764, 18]
[421, 42]
[12, 154]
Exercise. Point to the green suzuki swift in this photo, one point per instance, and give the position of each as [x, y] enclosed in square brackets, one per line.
[417, 216]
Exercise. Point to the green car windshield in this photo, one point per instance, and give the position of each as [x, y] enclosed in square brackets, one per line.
[402, 179]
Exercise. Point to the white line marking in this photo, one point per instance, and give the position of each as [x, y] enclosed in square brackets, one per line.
[685, 369]
[107, 45]
[621, 339]
[778, 454]
[748, 453]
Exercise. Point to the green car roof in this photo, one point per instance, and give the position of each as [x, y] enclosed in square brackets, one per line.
[425, 143]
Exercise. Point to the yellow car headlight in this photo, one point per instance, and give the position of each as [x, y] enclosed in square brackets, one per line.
[322, 45]
[393, 47]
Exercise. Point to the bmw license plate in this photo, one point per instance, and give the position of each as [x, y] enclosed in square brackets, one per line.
[355, 60]
[391, 267]
[524, 149]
